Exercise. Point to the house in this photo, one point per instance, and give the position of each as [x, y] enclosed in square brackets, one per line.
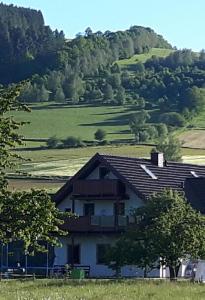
[103, 193]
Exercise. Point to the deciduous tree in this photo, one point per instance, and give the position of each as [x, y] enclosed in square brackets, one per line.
[171, 147]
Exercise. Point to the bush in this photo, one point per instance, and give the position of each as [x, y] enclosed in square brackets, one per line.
[73, 142]
[100, 135]
[53, 142]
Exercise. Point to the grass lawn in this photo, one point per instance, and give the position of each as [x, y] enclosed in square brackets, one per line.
[100, 290]
[50, 119]
[193, 138]
[145, 56]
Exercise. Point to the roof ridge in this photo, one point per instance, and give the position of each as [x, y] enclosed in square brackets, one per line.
[149, 160]
[123, 156]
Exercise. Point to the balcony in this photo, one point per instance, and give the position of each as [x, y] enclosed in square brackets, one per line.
[95, 224]
[102, 189]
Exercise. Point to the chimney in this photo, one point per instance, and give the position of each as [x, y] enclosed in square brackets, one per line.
[157, 159]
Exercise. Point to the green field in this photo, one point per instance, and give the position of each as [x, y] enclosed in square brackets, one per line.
[66, 162]
[100, 290]
[49, 119]
[145, 56]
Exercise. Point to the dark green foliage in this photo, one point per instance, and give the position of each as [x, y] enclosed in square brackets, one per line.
[100, 135]
[108, 94]
[194, 99]
[30, 217]
[162, 130]
[141, 129]
[172, 119]
[27, 45]
[53, 142]
[139, 67]
[120, 96]
[72, 142]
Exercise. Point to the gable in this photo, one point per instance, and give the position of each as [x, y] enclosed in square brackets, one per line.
[91, 170]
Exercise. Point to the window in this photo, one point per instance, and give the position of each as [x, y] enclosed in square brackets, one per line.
[101, 250]
[73, 254]
[89, 209]
[119, 209]
[67, 209]
[103, 171]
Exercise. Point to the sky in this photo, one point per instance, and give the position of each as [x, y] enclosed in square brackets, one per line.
[181, 22]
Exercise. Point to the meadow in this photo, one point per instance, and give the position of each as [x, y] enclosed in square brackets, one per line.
[144, 56]
[46, 120]
[100, 290]
[49, 119]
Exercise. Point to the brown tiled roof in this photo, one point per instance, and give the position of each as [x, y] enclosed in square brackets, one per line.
[129, 170]
[172, 175]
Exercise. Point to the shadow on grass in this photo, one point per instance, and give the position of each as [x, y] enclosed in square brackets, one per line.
[115, 121]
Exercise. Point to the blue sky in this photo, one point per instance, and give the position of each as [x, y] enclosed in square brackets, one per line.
[181, 22]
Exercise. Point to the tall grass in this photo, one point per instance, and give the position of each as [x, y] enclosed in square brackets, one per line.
[100, 290]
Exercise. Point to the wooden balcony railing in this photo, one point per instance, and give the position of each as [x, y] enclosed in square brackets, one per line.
[100, 188]
[95, 223]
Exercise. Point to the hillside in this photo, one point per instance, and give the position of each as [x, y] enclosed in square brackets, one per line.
[30, 47]
[130, 83]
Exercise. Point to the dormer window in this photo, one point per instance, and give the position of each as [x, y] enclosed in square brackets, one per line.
[103, 172]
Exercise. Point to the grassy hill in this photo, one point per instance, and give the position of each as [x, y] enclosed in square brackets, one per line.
[47, 120]
[145, 56]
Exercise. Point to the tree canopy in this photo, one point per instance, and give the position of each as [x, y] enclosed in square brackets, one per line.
[166, 231]
[171, 147]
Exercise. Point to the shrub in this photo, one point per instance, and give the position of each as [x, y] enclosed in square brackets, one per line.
[73, 142]
[100, 135]
[53, 142]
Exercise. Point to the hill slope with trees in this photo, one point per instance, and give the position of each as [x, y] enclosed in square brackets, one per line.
[167, 92]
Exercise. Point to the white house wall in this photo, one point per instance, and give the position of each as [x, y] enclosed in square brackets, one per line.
[66, 203]
[88, 256]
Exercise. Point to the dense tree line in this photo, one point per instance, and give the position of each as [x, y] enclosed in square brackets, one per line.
[30, 47]
[27, 45]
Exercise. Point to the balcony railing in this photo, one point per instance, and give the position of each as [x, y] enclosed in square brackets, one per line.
[95, 223]
[100, 188]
